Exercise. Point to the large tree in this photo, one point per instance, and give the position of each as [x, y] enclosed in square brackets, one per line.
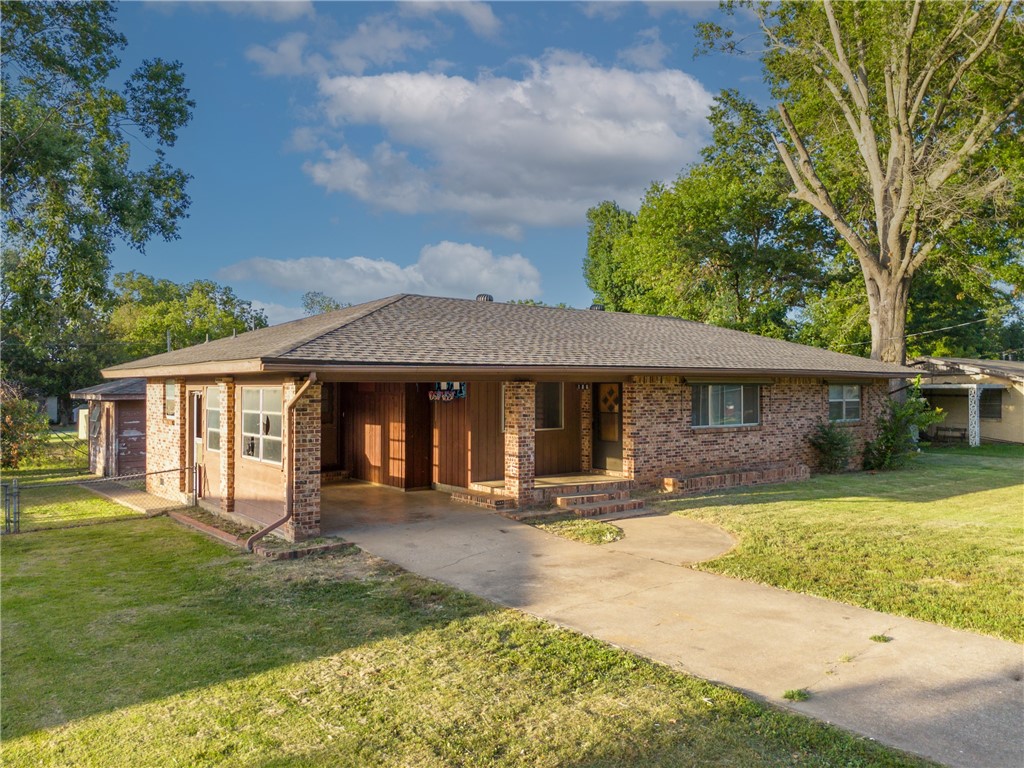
[83, 167]
[901, 126]
[723, 244]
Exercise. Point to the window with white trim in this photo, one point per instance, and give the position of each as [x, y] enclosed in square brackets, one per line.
[213, 418]
[261, 423]
[844, 402]
[726, 405]
[170, 399]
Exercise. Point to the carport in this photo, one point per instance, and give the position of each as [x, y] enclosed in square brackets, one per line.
[355, 504]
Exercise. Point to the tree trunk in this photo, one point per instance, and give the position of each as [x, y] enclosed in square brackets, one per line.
[887, 305]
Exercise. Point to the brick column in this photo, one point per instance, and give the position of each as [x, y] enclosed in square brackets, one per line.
[165, 443]
[586, 429]
[305, 462]
[227, 444]
[520, 443]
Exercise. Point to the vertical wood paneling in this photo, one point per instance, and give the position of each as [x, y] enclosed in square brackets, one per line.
[486, 443]
[558, 450]
[373, 432]
[451, 442]
[417, 436]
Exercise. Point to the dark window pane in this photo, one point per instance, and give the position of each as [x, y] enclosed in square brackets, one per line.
[751, 409]
[549, 405]
[991, 404]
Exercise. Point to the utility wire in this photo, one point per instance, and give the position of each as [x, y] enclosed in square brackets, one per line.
[912, 335]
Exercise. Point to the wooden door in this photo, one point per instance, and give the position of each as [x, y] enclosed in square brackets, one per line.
[608, 426]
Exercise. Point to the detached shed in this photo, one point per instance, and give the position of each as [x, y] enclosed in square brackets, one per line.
[116, 423]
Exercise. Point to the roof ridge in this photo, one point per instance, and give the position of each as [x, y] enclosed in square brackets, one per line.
[369, 308]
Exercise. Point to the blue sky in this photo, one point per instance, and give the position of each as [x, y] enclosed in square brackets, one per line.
[366, 149]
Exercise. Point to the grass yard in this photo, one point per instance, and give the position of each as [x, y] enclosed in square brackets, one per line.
[46, 502]
[579, 529]
[942, 540]
[142, 643]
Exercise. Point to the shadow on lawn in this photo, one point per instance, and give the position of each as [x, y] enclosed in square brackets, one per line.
[106, 617]
[934, 475]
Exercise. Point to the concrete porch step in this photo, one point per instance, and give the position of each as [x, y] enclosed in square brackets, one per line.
[485, 500]
[616, 506]
[577, 499]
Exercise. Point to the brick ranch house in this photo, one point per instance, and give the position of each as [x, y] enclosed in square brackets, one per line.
[488, 398]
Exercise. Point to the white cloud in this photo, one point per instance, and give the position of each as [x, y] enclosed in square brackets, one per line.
[649, 52]
[507, 152]
[478, 16]
[444, 269]
[377, 41]
[271, 10]
[286, 58]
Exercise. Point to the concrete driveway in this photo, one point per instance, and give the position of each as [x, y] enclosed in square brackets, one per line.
[952, 696]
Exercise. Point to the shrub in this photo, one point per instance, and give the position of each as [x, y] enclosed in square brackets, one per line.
[23, 426]
[834, 445]
[897, 438]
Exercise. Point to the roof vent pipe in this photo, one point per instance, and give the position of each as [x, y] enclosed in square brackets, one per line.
[484, 297]
[597, 307]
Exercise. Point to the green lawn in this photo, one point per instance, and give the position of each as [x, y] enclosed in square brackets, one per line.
[47, 498]
[580, 529]
[142, 643]
[942, 540]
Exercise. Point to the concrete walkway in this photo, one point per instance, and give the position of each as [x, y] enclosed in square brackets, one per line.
[952, 696]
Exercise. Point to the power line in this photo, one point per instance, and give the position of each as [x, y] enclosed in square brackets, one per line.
[912, 335]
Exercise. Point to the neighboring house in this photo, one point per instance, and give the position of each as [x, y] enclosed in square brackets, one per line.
[420, 392]
[116, 426]
[983, 399]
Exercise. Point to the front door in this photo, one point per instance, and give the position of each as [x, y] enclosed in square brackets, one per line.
[608, 426]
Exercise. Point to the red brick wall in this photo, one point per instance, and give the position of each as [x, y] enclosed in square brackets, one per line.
[228, 444]
[659, 439]
[305, 521]
[165, 443]
[520, 433]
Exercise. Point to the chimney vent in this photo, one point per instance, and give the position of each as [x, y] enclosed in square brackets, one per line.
[597, 307]
[484, 297]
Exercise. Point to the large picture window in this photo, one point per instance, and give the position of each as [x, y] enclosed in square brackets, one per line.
[844, 402]
[213, 418]
[261, 423]
[726, 405]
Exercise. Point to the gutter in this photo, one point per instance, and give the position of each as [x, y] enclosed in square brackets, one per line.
[289, 411]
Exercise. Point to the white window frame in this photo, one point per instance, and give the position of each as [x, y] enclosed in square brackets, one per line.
[719, 390]
[843, 397]
[263, 436]
[171, 404]
[212, 424]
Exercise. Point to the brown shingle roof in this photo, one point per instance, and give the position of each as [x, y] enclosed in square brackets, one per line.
[122, 389]
[410, 330]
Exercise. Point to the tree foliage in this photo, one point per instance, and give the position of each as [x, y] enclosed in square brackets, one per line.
[23, 425]
[83, 167]
[146, 310]
[318, 302]
[901, 126]
[723, 244]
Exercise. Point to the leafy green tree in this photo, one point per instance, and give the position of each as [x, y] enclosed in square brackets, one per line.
[23, 425]
[317, 302]
[146, 310]
[901, 127]
[724, 244]
[83, 167]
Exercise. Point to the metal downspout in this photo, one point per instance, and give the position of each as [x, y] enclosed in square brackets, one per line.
[289, 410]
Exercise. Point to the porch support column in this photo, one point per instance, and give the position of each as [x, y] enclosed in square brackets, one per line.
[226, 387]
[304, 454]
[520, 440]
[973, 416]
[586, 428]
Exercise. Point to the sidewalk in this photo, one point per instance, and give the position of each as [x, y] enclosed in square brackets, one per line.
[952, 696]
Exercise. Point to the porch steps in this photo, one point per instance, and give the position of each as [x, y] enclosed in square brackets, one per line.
[592, 504]
[485, 500]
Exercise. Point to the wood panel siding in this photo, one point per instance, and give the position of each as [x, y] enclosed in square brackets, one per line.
[330, 427]
[486, 442]
[373, 432]
[450, 442]
[131, 436]
[558, 450]
[418, 431]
